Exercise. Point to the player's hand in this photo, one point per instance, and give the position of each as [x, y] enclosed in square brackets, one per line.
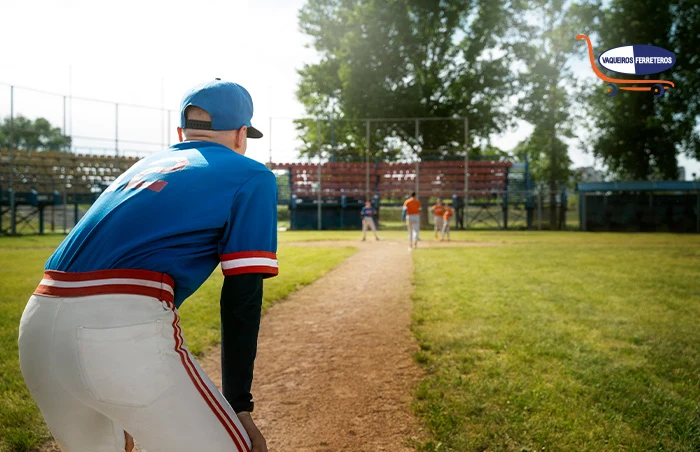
[129, 442]
[254, 434]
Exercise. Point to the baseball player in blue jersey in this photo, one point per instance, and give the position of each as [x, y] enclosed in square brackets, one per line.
[101, 348]
[367, 213]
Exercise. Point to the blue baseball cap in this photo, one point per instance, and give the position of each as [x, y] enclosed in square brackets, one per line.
[229, 105]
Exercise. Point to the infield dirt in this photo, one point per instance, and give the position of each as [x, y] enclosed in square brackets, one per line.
[334, 370]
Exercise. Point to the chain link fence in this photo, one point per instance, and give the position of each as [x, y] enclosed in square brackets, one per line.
[323, 167]
[321, 177]
[57, 149]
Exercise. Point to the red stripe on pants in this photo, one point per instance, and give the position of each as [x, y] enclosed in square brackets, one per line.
[204, 390]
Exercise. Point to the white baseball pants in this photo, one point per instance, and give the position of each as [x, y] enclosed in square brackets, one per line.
[101, 364]
[438, 224]
[413, 223]
[446, 230]
[368, 222]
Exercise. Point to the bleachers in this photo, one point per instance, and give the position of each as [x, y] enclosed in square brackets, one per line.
[62, 171]
[443, 178]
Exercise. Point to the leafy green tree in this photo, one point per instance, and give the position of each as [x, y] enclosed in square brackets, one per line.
[549, 159]
[549, 87]
[33, 135]
[637, 135]
[407, 59]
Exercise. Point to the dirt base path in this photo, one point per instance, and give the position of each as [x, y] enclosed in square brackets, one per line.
[334, 370]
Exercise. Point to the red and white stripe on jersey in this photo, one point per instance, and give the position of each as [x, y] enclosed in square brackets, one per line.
[249, 262]
[82, 284]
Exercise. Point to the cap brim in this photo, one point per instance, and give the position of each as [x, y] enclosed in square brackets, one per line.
[254, 133]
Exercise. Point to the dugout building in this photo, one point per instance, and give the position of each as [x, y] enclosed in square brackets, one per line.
[642, 206]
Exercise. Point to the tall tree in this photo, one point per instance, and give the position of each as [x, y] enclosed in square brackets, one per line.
[549, 89]
[407, 59]
[637, 135]
[33, 135]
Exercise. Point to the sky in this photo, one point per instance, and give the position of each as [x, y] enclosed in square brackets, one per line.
[150, 53]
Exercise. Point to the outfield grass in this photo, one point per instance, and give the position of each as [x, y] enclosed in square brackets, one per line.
[560, 341]
[21, 262]
[565, 238]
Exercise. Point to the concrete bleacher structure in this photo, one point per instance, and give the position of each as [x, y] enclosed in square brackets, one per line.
[488, 185]
[61, 171]
[49, 178]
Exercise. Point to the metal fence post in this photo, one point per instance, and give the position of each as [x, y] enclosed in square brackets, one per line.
[13, 207]
[65, 132]
[465, 218]
[63, 184]
[168, 133]
[367, 196]
[162, 112]
[539, 209]
[500, 221]
[320, 162]
[65, 211]
[417, 159]
[116, 130]
[269, 133]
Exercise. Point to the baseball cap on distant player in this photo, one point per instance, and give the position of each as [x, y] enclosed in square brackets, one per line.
[229, 105]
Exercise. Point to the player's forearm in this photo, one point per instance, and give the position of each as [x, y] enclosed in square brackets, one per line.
[241, 301]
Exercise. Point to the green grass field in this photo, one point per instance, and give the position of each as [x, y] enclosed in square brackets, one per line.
[553, 341]
[560, 341]
[21, 262]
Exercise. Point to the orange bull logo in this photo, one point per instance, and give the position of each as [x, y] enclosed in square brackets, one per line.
[635, 59]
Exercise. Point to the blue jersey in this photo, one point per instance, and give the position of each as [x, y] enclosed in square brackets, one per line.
[180, 212]
[368, 211]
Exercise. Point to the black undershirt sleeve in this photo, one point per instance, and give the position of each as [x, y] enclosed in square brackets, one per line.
[241, 301]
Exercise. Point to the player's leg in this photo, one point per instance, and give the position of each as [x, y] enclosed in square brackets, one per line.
[373, 227]
[415, 227]
[74, 425]
[364, 228]
[417, 220]
[149, 383]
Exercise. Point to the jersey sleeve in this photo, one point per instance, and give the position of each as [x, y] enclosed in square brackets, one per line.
[249, 241]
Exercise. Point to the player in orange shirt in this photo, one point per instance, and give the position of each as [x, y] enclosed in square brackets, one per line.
[438, 211]
[411, 213]
[446, 223]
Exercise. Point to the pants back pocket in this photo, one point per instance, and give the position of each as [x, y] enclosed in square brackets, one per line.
[125, 365]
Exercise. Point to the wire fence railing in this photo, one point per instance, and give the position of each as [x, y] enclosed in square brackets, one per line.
[74, 123]
[62, 150]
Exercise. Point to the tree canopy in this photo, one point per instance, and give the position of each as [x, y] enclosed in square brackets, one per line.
[407, 59]
[33, 135]
[637, 135]
[495, 62]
